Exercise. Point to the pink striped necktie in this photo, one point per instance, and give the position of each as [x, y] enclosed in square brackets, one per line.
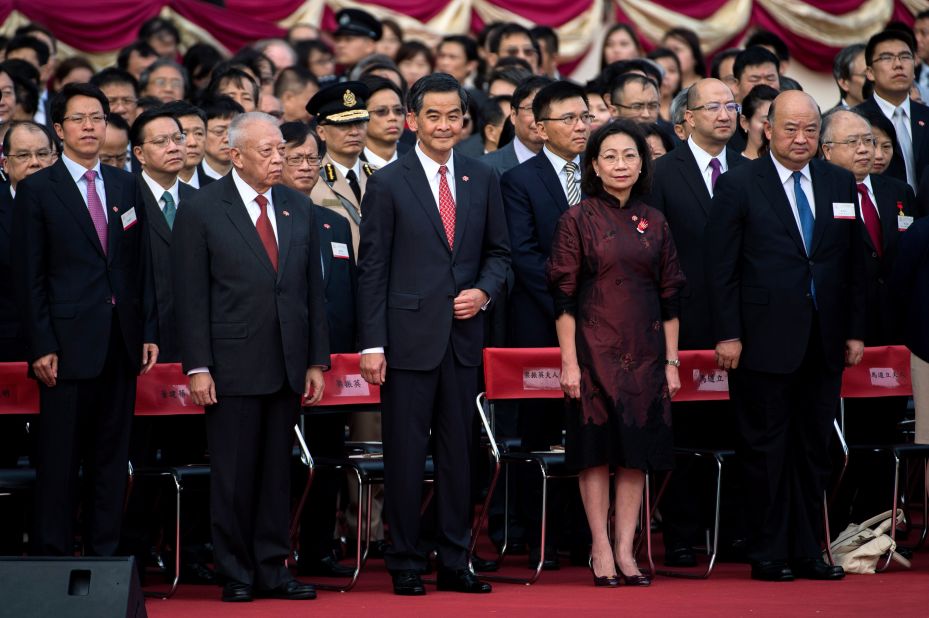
[446, 206]
[95, 206]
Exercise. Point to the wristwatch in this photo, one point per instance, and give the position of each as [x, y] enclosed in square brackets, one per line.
[674, 363]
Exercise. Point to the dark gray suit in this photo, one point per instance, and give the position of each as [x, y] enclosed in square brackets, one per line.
[502, 160]
[257, 331]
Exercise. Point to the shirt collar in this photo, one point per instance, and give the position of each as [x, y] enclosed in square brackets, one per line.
[431, 167]
[703, 157]
[158, 191]
[785, 173]
[77, 170]
[344, 170]
[523, 153]
[867, 182]
[246, 192]
[376, 160]
[888, 108]
[558, 163]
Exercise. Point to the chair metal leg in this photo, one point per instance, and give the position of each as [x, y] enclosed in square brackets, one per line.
[485, 507]
[893, 528]
[177, 540]
[828, 533]
[360, 556]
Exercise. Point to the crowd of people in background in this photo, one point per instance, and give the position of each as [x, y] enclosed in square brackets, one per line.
[362, 191]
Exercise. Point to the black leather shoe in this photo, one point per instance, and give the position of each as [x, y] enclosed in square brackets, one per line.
[460, 580]
[408, 584]
[197, 573]
[236, 592]
[772, 571]
[817, 568]
[292, 590]
[551, 559]
[485, 566]
[325, 567]
[680, 556]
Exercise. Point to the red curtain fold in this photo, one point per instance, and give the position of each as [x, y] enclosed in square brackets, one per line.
[265, 10]
[545, 12]
[696, 9]
[231, 29]
[812, 54]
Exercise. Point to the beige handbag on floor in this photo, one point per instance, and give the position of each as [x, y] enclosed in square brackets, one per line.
[859, 547]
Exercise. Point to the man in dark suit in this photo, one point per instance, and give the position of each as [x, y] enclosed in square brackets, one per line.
[325, 433]
[889, 56]
[884, 203]
[785, 282]
[251, 320]
[193, 122]
[535, 194]
[527, 142]
[432, 257]
[682, 189]
[84, 289]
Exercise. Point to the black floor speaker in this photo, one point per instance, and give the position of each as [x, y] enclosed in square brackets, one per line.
[70, 588]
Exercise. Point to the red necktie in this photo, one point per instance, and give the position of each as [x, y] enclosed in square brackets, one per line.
[265, 231]
[446, 206]
[872, 222]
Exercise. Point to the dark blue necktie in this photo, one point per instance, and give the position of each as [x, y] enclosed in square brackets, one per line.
[806, 222]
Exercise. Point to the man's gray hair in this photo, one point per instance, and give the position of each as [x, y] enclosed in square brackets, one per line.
[679, 106]
[240, 123]
[825, 130]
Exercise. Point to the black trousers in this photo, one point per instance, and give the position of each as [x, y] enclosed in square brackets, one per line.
[84, 425]
[785, 422]
[412, 404]
[251, 440]
[325, 436]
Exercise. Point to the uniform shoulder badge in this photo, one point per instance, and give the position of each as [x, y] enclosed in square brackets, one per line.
[330, 172]
[367, 169]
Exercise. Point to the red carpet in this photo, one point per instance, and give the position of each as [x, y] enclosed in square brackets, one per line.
[728, 592]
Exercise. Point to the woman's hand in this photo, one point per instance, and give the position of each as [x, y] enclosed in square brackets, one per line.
[571, 380]
[672, 375]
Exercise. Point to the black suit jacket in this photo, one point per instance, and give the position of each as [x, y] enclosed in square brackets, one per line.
[159, 239]
[758, 273]
[256, 330]
[533, 201]
[919, 126]
[65, 281]
[11, 332]
[884, 325]
[408, 276]
[340, 278]
[910, 284]
[203, 177]
[679, 192]
[501, 160]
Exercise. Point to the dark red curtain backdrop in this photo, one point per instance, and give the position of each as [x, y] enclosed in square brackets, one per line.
[107, 25]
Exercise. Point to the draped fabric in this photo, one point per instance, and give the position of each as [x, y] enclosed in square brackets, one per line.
[813, 29]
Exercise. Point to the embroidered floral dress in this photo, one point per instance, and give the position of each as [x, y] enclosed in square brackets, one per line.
[615, 269]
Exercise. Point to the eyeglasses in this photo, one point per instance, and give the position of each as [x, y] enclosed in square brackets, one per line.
[125, 101]
[82, 118]
[570, 119]
[628, 158]
[731, 107]
[43, 156]
[162, 140]
[114, 160]
[162, 82]
[297, 160]
[383, 112]
[903, 57]
[640, 107]
[854, 140]
[7, 93]
[524, 108]
[267, 151]
[515, 51]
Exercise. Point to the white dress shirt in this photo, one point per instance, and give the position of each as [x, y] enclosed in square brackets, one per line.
[523, 153]
[77, 172]
[209, 171]
[378, 162]
[867, 183]
[344, 170]
[703, 163]
[158, 191]
[558, 163]
[806, 184]
[888, 108]
[194, 180]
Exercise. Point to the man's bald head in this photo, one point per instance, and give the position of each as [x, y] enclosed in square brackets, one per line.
[711, 114]
[792, 128]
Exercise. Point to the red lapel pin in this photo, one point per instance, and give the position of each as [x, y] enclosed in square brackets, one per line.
[285, 213]
[465, 178]
[115, 208]
[326, 226]
[921, 123]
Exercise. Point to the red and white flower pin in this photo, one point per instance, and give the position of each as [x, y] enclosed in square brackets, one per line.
[465, 178]
[285, 213]
[642, 226]
[326, 226]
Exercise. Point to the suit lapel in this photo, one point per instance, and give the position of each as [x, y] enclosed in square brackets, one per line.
[773, 191]
[733, 158]
[235, 210]
[115, 208]
[70, 196]
[887, 208]
[419, 185]
[325, 249]
[692, 176]
[284, 228]
[550, 180]
[156, 217]
[462, 198]
[919, 115]
[820, 176]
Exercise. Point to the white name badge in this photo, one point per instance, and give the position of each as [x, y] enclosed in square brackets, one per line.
[843, 210]
[340, 250]
[904, 222]
[129, 218]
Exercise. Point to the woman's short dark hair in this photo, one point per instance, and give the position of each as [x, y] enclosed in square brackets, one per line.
[434, 82]
[690, 37]
[664, 52]
[661, 134]
[237, 77]
[200, 60]
[755, 97]
[66, 66]
[410, 49]
[59, 103]
[591, 183]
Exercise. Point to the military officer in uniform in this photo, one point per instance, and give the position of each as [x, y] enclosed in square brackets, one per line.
[342, 122]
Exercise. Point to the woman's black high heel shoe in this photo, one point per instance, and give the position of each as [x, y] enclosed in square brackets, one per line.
[633, 580]
[607, 581]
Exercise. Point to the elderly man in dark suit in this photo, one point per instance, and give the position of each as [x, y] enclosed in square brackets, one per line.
[252, 324]
[785, 280]
[682, 188]
[84, 289]
[433, 254]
